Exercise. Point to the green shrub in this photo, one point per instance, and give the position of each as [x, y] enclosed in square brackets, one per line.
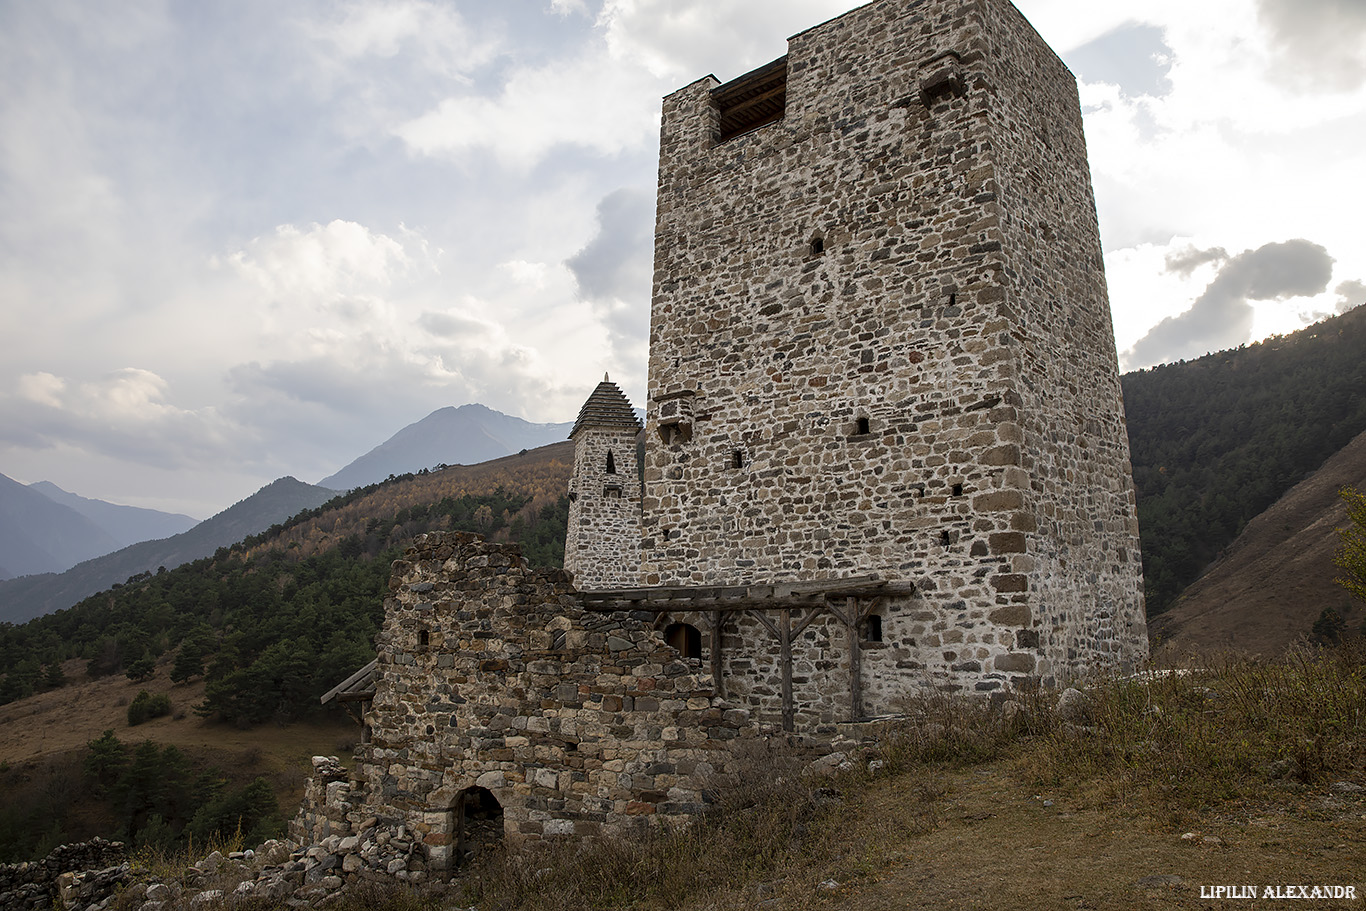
[145, 707]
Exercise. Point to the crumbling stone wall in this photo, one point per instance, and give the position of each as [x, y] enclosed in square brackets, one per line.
[885, 318]
[100, 865]
[492, 676]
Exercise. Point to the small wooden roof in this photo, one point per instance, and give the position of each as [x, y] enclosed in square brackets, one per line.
[607, 407]
[360, 685]
[757, 98]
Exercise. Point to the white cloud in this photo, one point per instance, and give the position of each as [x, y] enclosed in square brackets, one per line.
[42, 389]
[532, 275]
[141, 142]
[1319, 44]
[125, 412]
[1223, 316]
[568, 7]
[589, 102]
[321, 261]
[1351, 294]
[678, 42]
[434, 38]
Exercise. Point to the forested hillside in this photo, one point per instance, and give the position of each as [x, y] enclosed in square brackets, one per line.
[33, 596]
[274, 621]
[1217, 440]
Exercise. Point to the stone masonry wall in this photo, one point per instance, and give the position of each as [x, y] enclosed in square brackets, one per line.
[1084, 566]
[602, 547]
[907, 398]
[492, 675]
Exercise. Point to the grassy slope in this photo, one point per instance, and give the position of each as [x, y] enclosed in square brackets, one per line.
[66, 719]
[1268, 588]
[44, 738]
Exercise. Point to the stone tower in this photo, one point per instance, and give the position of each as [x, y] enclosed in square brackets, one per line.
[881, 346]
[602, 548]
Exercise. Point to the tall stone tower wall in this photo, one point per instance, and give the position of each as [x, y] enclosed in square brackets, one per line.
[1083, 568]
[880, 341]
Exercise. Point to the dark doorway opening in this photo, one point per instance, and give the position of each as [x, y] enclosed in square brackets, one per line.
[686, 638]
[476, 824]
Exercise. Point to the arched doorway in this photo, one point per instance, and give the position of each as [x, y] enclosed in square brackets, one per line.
[476, 824]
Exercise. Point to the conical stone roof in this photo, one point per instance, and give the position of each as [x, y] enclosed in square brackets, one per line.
[607, 407]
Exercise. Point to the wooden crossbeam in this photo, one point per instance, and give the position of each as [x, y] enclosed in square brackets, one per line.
[774, 596]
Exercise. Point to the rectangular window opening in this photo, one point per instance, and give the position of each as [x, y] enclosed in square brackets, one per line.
[756, 99]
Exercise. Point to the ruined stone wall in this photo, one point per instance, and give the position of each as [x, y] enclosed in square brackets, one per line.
[1083, 566]
[491, 675]
[602, 547]
[877, 388]
[100, 865]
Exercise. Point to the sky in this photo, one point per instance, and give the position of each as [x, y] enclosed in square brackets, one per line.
[242, 239]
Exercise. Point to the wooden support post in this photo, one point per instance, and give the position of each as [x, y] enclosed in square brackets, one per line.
[718, 620]
[785, 643]
[855, 660]
[459, 814]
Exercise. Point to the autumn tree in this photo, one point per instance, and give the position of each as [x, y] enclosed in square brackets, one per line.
[1351, 555]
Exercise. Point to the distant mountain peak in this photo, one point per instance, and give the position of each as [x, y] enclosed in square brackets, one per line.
[125, 524]
[453, 435]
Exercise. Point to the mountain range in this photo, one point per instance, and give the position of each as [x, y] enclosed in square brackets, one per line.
[65, 547]
[34, 595]
[1214, 443]
[126, 524]
[448, 436]
[38, 535]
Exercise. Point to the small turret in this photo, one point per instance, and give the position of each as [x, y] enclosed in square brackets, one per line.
[602, 547]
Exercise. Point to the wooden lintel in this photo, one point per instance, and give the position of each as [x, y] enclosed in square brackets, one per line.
[771, 596]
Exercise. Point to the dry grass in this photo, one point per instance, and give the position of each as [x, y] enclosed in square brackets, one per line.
[1235, 730]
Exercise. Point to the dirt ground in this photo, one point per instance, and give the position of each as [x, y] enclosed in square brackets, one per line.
[995, 844]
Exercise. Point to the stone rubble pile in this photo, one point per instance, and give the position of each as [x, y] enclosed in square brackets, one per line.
[37, 884]
[301, 877]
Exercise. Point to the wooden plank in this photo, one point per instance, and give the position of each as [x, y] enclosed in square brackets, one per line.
[816, 612]
[739, 85]
[733, 109]
[767, 624]
[348, 682]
